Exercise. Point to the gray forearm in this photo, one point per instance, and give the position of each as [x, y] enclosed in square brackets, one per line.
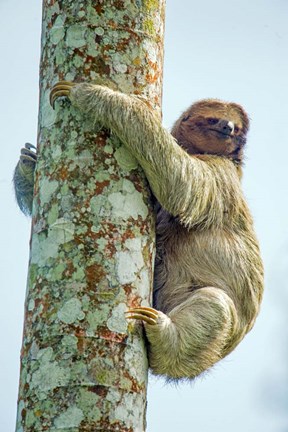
[23, 181]
[23, 178]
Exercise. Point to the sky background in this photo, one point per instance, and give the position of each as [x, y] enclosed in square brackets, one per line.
[232, 50]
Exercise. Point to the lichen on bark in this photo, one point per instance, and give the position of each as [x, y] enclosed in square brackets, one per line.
[83, 368]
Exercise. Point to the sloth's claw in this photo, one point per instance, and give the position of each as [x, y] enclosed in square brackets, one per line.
[28, 153]
[62, 88]
[146, 314]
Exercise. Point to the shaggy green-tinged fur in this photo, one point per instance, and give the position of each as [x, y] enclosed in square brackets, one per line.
[23, 180]
[208, 274]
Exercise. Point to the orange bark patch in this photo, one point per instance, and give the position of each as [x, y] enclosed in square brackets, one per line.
[100, 186]
[63, 173]
[110, 249]
[94, 274]
[99, 9]
[108, 335]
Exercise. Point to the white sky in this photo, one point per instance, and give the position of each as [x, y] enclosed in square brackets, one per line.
[233, 50]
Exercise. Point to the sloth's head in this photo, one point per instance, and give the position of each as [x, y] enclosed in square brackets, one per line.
[211, 126]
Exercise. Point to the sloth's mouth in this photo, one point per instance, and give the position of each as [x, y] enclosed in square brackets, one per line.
[226, 134]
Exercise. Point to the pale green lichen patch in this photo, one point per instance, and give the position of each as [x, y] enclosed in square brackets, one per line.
[128, 186]
[42, 249]
[30, 419]
[71, 311]
[82, 160]
[137, 368]
[48, 376]
[72, 417]
[99, 209]
[120, 67]
[31, 305]
[142, 283]
[92, 16]
[65, 201]
[102, 244]
[85, 303]
[129, 262]
[59, 55]
[129, 409]
[63, 230]
[75, 37]
[104, 375]
[48, 115]
[99, 31]
[53, 214]
[87, 402]
[125, 159]
[57, 272]
[117, 320]
[34, 350]
[51, 11]
[47, 189]
[46, 246]
[69, 343]
[128, 203]
[57, 32]
[97, 317]
[109, 149]
[77, 61]
[81, 14]
[78, 275]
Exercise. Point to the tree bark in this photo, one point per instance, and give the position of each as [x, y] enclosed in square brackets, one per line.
[83, 368]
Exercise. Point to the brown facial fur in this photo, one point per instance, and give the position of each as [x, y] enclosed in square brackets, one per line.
[199, 130]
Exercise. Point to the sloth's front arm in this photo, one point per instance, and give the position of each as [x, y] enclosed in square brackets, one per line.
[184, 185]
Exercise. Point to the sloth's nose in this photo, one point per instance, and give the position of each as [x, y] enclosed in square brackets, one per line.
[227, 127]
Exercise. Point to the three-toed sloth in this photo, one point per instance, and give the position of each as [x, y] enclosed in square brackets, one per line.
[208, 275]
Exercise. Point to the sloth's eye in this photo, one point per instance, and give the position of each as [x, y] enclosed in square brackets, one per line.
[212, 121]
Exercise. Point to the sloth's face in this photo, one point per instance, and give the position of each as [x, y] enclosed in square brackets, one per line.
[214, 127]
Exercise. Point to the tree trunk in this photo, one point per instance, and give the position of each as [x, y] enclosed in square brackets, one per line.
[83, 368]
